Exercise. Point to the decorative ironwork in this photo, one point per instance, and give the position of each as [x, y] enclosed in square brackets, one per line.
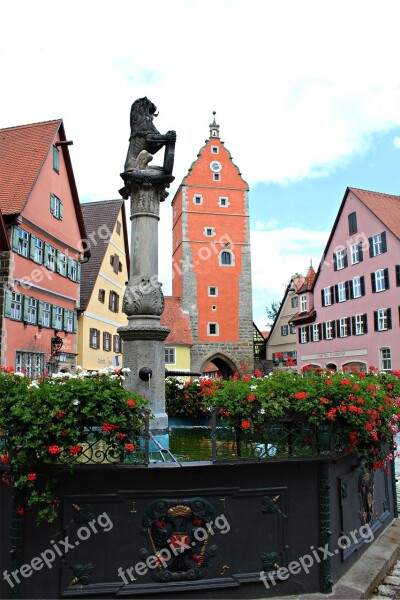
[84, 513]
[82, 574]
[366, 495]
[178, 533]
[270, 561]
[269, 505]
[285, 439]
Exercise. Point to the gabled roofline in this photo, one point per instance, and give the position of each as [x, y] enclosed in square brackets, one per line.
[279, 311]
[339, 214]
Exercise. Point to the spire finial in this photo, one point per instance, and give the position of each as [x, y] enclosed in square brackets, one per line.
[214, 127]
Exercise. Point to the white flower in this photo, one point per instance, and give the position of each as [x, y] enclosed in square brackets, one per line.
[34, 384]
[253, 387]
[125, 370]
[19, 374]
[76, 402]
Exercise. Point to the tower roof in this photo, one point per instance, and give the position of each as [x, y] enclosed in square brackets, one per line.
[214, 127]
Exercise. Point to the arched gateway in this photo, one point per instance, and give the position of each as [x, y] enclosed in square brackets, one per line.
[223, 367]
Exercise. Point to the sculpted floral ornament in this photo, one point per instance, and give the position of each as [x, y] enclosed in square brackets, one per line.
[143, 296]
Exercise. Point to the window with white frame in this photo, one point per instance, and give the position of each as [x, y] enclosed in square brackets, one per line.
[214, 149]
[226, 258]
[355, 253]
[212, 328]
[31, 309]
[23, 242]
[56, 207]
[58, 317]
[169, 356]
[46, 314]
[51, 258]
[329, 330]
[356, 283]
[217, 176]
[16, 309]
[56, 159]
[303, 303]
[377, 247]
[106, 341]
[292, 328]
[223, 201]
[209, 231]
[341, 292]
[197, 199]
[380, 281]
[343, 327]
[385, 359]
[341, 256]
[294, 301]
[315, 332]
[62, 264]
[69, 320]
[359, 324]
[284, 330]
[303, 335]
[38, 251]
[327, 296]
[213, 307]
[212, 290]
[382, 319]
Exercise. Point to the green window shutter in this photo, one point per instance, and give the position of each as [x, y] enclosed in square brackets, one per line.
[15, 238]
[32, 242]
[61, 211]
[53, 316]
[64, 319]
[69, 267]
[58, 261]
[75, 321]
[52, 203]
[7, 303]
[78, 272]
[46, 254]
[25, 303]
[40, 313]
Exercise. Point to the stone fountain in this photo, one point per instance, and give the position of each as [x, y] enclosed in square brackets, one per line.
[143, 302]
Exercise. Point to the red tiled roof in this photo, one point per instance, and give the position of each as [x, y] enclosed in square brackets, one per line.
[210, 368]
[385, 206]
[308, 281]
[304, 317]
[265, 334]
[178, 322]
[23, 150]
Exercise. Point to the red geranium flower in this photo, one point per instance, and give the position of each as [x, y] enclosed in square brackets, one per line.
[74, 450]
[54, 449]
[121, 436]
[251, 398]
[345, 382]
[131, 402]
[129, 447]
[31, 476]
[4, 458]
[300, 395]
[107, 427]
[20, 511]
[246, 424]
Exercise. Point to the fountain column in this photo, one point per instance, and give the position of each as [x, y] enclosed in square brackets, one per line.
[143, 302]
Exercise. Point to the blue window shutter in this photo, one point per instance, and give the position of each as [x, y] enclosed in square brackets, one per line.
[75, 321]
[52, 204]
[46, 254]
[69, 266]
[25, 303]
[53, 316]
[58, 261]
[61, 211]
[78, 272]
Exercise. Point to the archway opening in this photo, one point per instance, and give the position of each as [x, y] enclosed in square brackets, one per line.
[217, 367]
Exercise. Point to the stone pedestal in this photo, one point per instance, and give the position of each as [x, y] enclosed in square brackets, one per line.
[143, 302]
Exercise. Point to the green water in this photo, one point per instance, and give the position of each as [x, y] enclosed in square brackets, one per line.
[190, 444]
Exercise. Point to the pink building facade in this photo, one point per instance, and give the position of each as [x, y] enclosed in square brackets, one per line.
[351, 314]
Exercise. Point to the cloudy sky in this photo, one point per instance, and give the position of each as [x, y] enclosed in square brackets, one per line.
[307, 95]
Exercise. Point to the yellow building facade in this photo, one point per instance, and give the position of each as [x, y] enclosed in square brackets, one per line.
[179, 341]
[103, 282]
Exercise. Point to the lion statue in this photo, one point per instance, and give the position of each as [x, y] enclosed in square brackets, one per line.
[146, 140]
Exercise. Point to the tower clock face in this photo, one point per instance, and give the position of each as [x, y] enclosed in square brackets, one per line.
[215, 166]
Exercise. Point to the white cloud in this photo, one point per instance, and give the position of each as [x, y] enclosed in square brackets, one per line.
[396, 143]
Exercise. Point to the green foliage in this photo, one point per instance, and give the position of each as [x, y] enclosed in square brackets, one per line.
[46, 424]
[364, 407]
[185, 398]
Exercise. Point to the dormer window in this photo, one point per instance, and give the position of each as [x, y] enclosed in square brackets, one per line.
[303, 303]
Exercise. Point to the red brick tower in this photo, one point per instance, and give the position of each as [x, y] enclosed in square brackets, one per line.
[211, 258]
